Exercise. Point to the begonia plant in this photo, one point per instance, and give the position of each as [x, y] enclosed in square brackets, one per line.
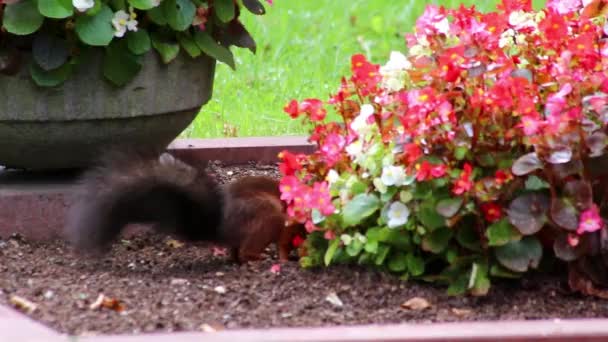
[477, 154]
[60, 34]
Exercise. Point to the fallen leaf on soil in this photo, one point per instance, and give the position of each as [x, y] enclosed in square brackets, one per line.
[461, 312]
[416, 303]
[109, 303]
[174, 243]
[220, 289]
[179, 281]
[220, 251]
[276, 268]
[23, 304]
[334, 299]
[210, 327]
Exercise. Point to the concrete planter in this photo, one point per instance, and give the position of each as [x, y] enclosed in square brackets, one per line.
[64, 127]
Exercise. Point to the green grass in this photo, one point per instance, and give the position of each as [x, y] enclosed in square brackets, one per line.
[304, 48]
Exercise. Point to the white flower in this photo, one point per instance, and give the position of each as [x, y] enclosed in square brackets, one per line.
[346, 239]
[398, 214]
[521, 19]
[394, 71]
[359, 124]
[393, 175]
[362, 238]
[155, 3]
[122, 22]
[83, 5]
[442, 26]
[332, 176]
[355, 148]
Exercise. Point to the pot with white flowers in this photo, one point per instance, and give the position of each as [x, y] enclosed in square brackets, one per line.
[79, 75]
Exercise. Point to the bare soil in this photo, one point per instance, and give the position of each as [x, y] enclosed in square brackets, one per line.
[164, 286]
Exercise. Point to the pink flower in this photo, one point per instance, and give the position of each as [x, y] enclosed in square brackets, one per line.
[275, 269]
[321, 199]
[310, 227]
[564, 6]
[332, 148]
[329, 235]
[573, 240]
[530, 124]
[590, 221]
[290, 188]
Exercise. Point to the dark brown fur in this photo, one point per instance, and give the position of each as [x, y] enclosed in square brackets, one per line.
[178, 199]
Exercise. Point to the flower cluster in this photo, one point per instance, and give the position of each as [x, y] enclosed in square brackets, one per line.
[63, 33]
[481, 149]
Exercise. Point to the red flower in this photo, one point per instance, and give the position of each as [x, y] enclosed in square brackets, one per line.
[501, 177]
[491, 211]
[297, 241]
[509, 6]
[292, 108]
[463, 183]
[314, 109]
[365, 74]
[290, 163]
[412, 152]
[554, 27]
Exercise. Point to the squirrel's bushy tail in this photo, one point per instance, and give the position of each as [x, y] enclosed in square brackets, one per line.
[143, 187]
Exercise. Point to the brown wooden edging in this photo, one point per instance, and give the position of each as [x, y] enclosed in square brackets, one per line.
[34, 206]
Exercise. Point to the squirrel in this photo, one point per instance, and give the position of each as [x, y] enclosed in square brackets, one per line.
[181, 200]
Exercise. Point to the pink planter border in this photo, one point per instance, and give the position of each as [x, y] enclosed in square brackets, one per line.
[36, 210]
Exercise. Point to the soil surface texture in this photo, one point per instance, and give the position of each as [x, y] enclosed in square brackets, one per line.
[156, 284]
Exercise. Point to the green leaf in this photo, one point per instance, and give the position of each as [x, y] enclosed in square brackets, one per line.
[501, 232]
[382, 253]
[331, 251]
[458, 286]
[50, 78]
[564, 214]
[119, 65]
[397, 262]
[429, 217]
[254, 6]
[528, 212]
[359, 207]
[564, 251]
[501, 272]
[449, 207]
[139, 41]
[56, 9]
[211, 48]
[371, 247]
[526, 164]
[168, 50]
[96, 30]
[354, 248]
[22, 18]
[188, 44]
[479, 283]
[415, 264]
[49, 52]
[142, 4]
[460, 152]
[437, 240]
[224, 9]
[157, 15]
[394, 237]
[179, 13]
[467, 237]
[520, 255]
[534, 183]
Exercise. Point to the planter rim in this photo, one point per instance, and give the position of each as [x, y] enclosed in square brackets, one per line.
[17, 326]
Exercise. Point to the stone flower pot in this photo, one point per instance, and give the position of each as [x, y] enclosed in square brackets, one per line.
[65, 127]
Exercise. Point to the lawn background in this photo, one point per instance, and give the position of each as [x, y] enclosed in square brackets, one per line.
[304, 48]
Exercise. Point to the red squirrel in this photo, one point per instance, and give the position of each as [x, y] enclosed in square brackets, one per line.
[178, 199]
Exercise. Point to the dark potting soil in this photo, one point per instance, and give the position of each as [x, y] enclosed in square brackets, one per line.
[164, 286]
